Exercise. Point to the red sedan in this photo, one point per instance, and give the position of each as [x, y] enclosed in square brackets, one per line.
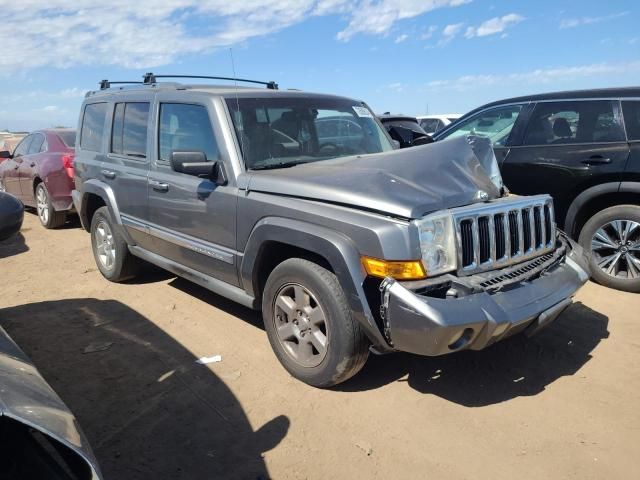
[40, 173]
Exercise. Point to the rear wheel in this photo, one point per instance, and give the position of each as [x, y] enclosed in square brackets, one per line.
[110, 250]
[310, 326]
[613, 238]
[48, 216]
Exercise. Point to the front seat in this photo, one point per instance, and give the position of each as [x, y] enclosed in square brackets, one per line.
[562, 130]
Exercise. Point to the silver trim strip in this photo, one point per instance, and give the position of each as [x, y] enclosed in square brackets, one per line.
[205, 248]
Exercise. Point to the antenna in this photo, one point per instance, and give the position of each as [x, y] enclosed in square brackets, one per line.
[239, 116]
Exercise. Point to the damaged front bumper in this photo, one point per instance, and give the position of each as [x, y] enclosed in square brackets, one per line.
[471, 316]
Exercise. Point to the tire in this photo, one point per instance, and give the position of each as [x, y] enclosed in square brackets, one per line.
[48, 216]
[299, 294]
[599, 232]
[110, 250]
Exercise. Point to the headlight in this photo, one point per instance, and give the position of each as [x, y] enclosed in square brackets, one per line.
[437, 243]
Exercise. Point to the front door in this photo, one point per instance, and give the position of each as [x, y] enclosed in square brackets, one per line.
[11, 166]
[193, 220]
[568, 146]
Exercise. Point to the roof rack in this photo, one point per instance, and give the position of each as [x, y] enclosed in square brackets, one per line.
[104, 84]
[151, 78]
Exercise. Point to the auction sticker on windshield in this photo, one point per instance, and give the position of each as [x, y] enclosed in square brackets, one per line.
[362, 112]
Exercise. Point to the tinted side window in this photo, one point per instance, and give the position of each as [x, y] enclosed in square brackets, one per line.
[495, 124]
[23, 147]
[557, 123]
[129, 132]
[430, 124]
[186, 128]
[93, 126]
[116, 129]
[36, 145]
[631, 112]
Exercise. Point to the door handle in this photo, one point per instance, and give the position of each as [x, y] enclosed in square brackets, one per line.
[596, 160]
[32, 164]
[159, 186]
[108, 173]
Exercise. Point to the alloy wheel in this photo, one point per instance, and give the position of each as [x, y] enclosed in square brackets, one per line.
[301, 325]
[42, 204]
[616, 248]
[105, 245]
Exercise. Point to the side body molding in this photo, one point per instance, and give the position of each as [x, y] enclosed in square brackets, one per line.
[336, 248]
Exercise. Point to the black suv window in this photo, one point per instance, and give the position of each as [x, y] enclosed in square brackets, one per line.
[495, 124]
[93, 126]
[186, 128]
[129, 132]
[36, 145]
[23, 146]
[573, 122]
[631, 110]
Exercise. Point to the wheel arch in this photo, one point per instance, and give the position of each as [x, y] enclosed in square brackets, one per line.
[96, 194]
[597, 198]
[274, 240]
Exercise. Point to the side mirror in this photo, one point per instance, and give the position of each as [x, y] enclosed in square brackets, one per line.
[195, 163]
[5, 154]
[422, 140]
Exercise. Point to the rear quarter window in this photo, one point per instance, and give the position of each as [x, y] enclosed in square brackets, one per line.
[92, 131]
[631, 111]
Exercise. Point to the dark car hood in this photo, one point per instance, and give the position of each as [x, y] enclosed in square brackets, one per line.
[406, 183]
[27, 398]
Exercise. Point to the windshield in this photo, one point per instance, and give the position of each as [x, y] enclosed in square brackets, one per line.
[282, 132]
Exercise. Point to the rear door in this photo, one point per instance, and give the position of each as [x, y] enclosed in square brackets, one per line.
[193, 220]
[126, 167]
[10, 167]
[567, 147]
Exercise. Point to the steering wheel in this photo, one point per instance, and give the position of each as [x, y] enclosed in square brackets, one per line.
[334, 148]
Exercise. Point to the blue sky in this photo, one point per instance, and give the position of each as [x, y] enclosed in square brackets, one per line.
[404, 56]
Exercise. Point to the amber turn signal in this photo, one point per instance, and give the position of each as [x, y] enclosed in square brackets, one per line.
[410, 270]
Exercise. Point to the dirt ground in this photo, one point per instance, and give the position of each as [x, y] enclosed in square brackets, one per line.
[565, 404]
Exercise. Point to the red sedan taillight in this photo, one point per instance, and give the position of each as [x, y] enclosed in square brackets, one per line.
[67, 163]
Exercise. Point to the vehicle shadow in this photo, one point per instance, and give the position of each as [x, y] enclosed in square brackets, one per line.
[518, 366]
[148, 410]
[13, 246]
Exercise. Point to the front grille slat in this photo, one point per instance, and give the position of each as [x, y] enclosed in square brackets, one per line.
[504, 234]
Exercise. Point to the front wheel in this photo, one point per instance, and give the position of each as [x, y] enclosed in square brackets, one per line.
[613, 238]
[310, 325]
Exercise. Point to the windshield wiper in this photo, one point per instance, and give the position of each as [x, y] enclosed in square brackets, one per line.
[272, 166]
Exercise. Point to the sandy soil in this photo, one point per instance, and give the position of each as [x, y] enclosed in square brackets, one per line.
[565, 404]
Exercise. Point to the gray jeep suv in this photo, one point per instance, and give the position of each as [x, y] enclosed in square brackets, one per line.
[297, 204]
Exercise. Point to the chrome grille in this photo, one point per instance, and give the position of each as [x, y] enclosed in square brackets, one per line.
[504, 232]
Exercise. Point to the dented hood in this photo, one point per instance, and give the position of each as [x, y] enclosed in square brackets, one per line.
[406, 183]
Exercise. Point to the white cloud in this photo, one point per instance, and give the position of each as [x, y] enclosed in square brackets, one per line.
[576, 22]
[449, 33]
[64, 33]
[429, 33]
[539, 76]
[401, 38]
[494, 25]
[50, 108]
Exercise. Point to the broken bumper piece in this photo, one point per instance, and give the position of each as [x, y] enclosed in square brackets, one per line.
[427, 325]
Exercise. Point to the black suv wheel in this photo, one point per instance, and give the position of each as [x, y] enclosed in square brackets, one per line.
[613, 238]
[109, 248]
[310, 326]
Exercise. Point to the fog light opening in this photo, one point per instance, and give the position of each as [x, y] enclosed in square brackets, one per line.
[461, 340]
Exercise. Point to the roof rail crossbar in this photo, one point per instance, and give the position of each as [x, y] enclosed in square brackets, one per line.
[151, 78]
[104, 84]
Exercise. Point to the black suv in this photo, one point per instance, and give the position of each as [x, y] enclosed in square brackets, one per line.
[583, 148]
[297, 204]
